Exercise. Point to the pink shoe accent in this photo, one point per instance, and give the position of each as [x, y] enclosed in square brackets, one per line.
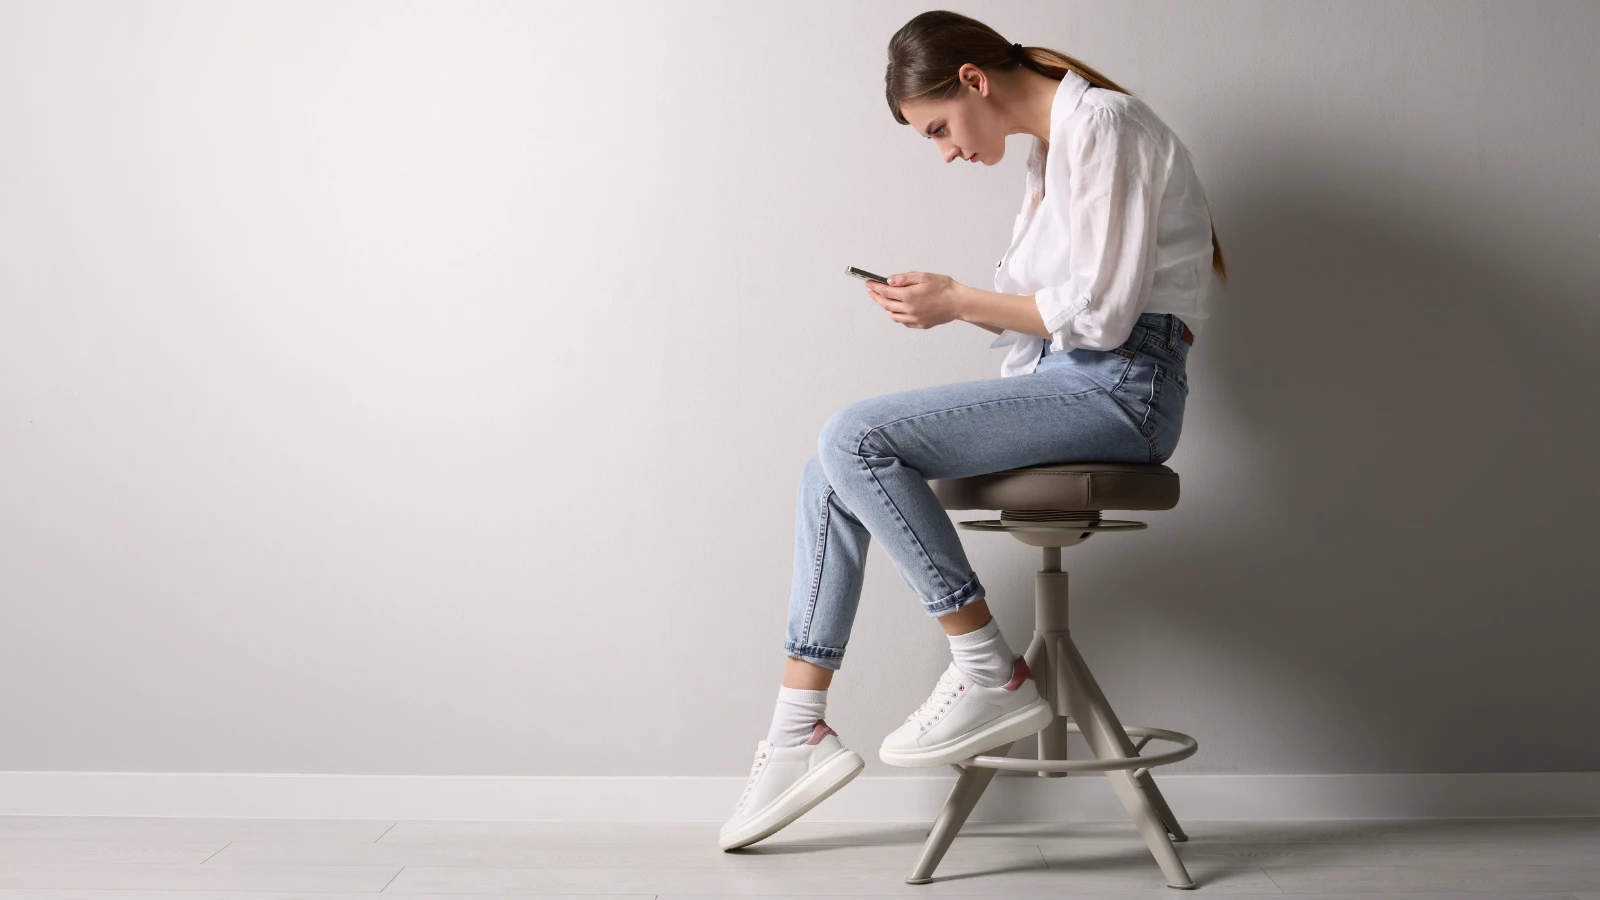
[818, 730]
[1019, 674]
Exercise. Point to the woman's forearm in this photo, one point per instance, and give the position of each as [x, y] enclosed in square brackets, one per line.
[996, 311]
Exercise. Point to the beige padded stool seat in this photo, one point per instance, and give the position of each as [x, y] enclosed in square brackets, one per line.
[1052, 506]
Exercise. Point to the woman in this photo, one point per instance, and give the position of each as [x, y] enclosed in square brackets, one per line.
[1112, 263]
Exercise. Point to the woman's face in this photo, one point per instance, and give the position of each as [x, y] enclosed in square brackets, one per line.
[965, 127]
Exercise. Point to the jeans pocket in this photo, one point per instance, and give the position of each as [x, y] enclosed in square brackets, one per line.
[1165, 420]
[1141, 391]
[1180, 381]
[1147, 392]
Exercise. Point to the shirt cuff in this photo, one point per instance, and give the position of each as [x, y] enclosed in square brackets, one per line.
[1057, 308]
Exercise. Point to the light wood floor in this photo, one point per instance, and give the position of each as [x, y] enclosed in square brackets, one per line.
[95, 858]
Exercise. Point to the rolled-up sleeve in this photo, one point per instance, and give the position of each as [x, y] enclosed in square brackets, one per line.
[1116, 177]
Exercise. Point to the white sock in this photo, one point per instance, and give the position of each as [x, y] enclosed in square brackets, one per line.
[983, 654]
[796, 715]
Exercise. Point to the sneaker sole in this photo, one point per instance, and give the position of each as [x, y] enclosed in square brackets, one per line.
[1021, 723]
[815, 787]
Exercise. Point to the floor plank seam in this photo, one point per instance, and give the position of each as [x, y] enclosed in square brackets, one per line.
[219, 850]
[1271, 879]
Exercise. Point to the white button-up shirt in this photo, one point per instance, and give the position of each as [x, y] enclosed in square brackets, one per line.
[1122, 228]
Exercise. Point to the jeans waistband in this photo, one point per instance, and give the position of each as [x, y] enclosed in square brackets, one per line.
[1167, 326]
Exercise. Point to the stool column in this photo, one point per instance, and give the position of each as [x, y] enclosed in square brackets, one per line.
[1049, 669]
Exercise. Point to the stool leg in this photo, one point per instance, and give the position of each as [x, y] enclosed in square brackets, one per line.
[1053, 737]
[963, 797]
[1146, 781]
[1103, 732]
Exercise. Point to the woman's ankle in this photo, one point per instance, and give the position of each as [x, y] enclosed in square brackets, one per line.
[805, 676]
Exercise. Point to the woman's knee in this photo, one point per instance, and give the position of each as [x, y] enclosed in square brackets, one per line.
[813, 479]
[842, 434]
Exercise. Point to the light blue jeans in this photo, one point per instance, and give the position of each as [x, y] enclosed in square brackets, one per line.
[875, 456]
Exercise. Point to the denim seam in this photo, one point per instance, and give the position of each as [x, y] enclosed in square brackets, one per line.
[816, 564]
[1158, 370]
[935, 412]
[1150, 409]
[889, 502]
[1122, 379]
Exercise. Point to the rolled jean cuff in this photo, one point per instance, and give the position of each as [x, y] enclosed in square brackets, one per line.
[972, 590]
[826, 657]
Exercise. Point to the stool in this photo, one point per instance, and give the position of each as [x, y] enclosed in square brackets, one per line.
[1053, 506]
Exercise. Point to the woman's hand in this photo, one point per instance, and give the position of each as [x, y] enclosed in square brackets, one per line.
[919, 299]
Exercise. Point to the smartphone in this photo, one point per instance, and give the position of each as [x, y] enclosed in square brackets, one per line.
[864, 275]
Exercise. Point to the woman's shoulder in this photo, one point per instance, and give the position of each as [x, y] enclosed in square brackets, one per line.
[1117, 108]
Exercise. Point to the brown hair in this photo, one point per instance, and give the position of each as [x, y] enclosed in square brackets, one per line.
[928, 51]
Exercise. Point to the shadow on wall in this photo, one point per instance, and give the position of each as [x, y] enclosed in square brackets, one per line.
[1399, 536]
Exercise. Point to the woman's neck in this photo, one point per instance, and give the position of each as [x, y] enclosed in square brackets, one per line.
[1036, 94]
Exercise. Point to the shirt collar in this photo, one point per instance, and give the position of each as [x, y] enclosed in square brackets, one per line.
[1069, 93]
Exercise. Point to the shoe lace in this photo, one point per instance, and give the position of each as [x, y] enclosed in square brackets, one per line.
[758, 763]
[944, 693]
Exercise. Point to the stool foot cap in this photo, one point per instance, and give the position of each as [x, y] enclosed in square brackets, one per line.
[1185, 887]
[928, 880]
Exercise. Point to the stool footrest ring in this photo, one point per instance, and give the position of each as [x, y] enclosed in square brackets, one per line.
[1140, 764]
[1050, 527]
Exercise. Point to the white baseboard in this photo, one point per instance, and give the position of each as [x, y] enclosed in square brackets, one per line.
[1012, 797]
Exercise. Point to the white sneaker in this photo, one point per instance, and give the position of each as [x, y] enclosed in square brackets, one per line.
[787, 781]
[962, 719]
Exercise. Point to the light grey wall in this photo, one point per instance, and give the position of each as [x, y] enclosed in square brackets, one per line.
[422, 388]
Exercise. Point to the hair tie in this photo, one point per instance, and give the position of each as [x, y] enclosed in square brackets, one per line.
[1016, 50]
